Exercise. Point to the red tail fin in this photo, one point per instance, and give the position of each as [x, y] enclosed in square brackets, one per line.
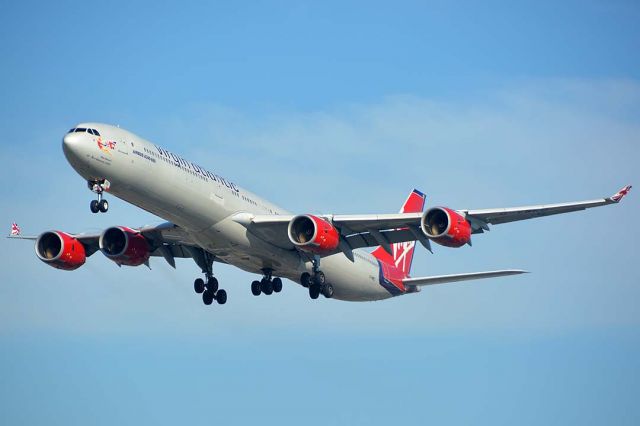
[402, 253]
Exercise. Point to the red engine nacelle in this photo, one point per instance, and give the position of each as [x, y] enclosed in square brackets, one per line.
[446, 227]
[124, 246]
[313, 234]
[60, 250]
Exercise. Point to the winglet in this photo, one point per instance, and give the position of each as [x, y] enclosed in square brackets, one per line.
[620, 194]
[15, 230]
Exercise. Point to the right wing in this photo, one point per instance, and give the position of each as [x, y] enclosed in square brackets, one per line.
[441, 279]
[370, 230]
[479, 219]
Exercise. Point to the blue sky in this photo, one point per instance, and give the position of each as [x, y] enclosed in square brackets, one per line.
[342, 107]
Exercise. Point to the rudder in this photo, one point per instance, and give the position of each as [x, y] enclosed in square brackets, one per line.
[402, 253]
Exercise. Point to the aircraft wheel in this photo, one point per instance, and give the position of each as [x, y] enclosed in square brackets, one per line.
[212, 284]
[94, 206]
[198, 285]
[266, 287]
[207, 297]
[277, 285]
[221, 297]
[305, 279]
[327, 291]
[255, 288]
[319, 278]
[314, 291]
[103, 205]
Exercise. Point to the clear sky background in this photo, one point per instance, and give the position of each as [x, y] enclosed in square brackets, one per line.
[339, 107]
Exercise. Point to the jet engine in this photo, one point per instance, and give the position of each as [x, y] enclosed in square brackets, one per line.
[446, 227]
[124, 246]
[313, 234]
[60, 250]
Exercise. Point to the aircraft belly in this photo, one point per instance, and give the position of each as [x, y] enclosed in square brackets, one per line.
[356, 281]
[236, 245]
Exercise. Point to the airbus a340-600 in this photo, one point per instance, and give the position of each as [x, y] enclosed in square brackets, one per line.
[211, 219]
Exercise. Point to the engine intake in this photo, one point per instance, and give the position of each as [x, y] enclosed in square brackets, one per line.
[124, 246]
[313, 234]
[60, 250]
[446, 227]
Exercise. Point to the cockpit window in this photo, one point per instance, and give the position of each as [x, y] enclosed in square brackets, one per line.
[81, 130]
[90, 131]
[72, 130]
[95, 132]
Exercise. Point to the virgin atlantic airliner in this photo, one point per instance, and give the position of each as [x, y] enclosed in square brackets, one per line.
[211, 219]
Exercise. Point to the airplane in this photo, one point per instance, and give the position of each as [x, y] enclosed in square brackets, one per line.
[211, 219]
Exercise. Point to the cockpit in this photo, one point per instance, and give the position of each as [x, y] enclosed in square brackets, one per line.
[84, 130]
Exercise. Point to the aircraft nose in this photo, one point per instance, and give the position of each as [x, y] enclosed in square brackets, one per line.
[71, 144]
[70, 139]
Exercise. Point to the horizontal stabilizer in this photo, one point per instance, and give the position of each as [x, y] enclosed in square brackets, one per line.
[441, 279]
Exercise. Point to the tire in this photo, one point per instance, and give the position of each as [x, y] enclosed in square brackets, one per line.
[266, 287]
[221, 297]
[305, 279]
[212, 284]
[319, 278]
[255, 288]
[327, 291]
[103, 205]
[198, 285]
[94, 206]
[207, 297]
[314, 291]
[277, 285]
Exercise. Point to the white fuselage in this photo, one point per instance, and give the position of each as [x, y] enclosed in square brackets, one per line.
[203, 204]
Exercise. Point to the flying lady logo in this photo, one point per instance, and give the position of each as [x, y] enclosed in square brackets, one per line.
[106, 147]
[620, 194]
[15, 229]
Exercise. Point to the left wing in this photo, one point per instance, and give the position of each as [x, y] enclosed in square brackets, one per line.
[166, 240]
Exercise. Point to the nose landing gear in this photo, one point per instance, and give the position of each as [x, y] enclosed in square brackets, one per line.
[98, 186]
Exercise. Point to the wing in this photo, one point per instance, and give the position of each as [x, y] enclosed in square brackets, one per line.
[480, 219]
[359, 231]
[167, 240]
[441, 279]
[356, 231]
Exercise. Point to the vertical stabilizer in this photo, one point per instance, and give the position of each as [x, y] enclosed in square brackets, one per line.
[401, 254]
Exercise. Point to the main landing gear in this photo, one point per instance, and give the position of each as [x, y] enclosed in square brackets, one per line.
[210, 291]
[317, 282]
[98, 186]
[267, 285]
[208, 287]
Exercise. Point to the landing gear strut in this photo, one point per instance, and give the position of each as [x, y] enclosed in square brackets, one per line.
[268, 285]
[209, 287]
[316, 282]
[98, 186]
